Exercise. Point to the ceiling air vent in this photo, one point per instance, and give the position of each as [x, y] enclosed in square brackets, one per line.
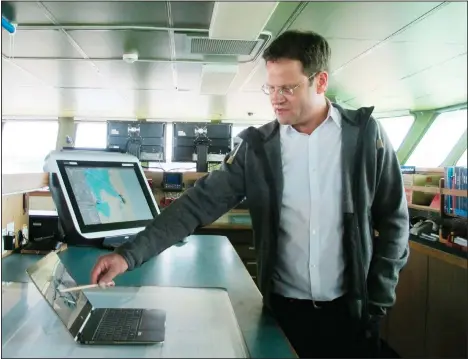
[206, 46]
[199, 47]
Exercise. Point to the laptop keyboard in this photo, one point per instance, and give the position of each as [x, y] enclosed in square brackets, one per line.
[118, 325]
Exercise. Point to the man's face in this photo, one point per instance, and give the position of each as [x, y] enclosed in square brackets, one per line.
[298, 91]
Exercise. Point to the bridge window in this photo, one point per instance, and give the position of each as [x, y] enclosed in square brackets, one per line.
[439, 139]
[462, 161]
[25, 144]
[91, 134]
[397, 128]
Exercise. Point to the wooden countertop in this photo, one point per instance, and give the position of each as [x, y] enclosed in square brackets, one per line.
[439, 251]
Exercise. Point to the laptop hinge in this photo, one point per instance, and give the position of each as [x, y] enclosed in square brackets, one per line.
[78, 335]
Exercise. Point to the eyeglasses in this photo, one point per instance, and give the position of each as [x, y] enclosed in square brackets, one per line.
[283, 90]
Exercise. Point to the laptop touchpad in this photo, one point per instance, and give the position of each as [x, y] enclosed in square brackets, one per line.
[153, 319]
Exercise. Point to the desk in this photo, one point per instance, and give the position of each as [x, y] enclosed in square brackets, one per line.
[204, 261]
[200, 323]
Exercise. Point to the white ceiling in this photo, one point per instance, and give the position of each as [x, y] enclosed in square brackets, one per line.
[393, 55]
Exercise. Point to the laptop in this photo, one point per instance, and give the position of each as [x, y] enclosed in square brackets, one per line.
[89, 325]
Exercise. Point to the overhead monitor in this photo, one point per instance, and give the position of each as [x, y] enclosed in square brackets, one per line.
[105, 194]
[145, 140]
[201, 142]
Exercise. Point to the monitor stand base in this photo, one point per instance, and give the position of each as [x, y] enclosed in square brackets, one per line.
[117, 241]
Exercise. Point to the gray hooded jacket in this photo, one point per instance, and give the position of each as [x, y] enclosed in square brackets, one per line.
[373, 198]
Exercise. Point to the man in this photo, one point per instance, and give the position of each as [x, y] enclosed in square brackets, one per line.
[318, 180]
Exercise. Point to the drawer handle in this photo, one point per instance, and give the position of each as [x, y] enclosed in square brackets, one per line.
[252, 248]
[251, 263]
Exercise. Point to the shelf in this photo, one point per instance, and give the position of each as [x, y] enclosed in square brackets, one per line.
[437, 190]
[432, 190]
[455, 192]
[423, 208]
[426, 170]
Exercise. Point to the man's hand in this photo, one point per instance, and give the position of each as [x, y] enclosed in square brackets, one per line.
[107, 268]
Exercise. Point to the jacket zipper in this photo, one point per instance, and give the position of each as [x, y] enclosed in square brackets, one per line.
[356, 200]
[258, 148]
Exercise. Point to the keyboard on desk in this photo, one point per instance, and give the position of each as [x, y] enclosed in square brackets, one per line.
[118, 325]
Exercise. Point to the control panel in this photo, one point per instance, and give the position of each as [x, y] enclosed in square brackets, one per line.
[172, 182]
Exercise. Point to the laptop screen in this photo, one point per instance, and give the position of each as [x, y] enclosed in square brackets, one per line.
[50, 277]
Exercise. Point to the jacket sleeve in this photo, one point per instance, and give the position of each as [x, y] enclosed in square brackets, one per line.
[211, 197]
[391, 220]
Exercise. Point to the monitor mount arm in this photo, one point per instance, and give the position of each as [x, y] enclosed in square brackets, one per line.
[201, 144]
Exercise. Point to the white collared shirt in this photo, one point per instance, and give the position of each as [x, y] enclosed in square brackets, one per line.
[310, 261]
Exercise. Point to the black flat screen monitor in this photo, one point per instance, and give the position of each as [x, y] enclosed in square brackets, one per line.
[145, 140]
[201, 142]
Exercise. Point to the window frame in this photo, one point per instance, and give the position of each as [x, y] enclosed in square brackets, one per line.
[428, 130]
[463, 155]
[396, 148]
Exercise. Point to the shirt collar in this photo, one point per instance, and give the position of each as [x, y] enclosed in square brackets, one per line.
[333, 115]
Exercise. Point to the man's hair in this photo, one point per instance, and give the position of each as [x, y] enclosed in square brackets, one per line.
[308, 47]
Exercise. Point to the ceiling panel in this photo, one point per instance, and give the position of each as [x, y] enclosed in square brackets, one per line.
[217, 107]
[63, 73]
[102, 103]
[449, 77]
[341, 92]
[446, 82]
[403, 101]
[412, 70]
[42, 43]
[343, 51]
[359, 20]
[245, 72]
[139, 75]
[109, 12]
[105, 44]
[240, 20]
[188, 76]
[238, 105]
[441, 100]
[30, 101]
[24, 12]
[391, 62]
[191, 14]
[177, 106]
[446, 25]
[13, 76]
[257, 79]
